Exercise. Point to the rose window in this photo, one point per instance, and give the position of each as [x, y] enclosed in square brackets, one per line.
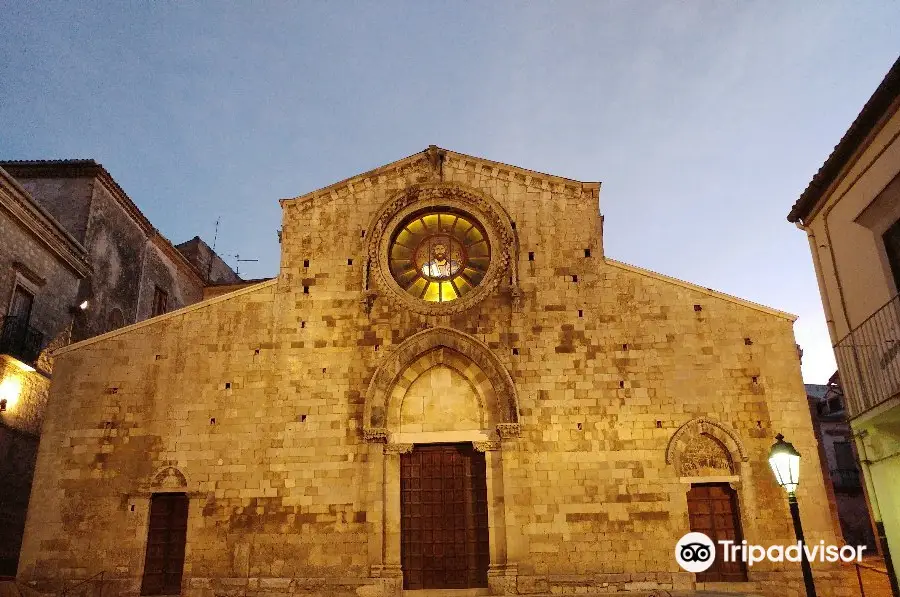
[439, 255]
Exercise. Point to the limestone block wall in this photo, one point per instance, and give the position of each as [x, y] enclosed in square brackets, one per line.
[254, 403]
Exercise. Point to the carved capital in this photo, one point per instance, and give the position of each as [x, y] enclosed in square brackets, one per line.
[508, 430]
[375, 435]
[398, 448]
[487, 446]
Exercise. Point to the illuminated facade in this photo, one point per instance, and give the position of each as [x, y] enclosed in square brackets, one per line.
[449, 385]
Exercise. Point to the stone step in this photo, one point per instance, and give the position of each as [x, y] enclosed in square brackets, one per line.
[447, 593]
[644, 593]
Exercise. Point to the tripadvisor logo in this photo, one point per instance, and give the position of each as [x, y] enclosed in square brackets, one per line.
[695, 552]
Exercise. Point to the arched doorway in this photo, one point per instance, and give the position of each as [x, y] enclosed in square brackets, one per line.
[441, 420]
[707, 457]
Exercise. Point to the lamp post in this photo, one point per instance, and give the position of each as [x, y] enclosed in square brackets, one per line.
[785, 462]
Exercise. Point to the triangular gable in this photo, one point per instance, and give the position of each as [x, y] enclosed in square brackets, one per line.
[433, 153]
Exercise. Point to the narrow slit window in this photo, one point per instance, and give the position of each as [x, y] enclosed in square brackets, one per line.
[160, 301]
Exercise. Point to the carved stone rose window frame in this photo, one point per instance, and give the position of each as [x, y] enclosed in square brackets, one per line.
[496, 223]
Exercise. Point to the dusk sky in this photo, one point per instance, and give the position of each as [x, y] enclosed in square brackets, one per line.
[703, 120]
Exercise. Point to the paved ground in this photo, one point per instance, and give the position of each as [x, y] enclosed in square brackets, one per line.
[874, 578]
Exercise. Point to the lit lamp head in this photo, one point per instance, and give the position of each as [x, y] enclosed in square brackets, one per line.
[785, 462]
[79, 308]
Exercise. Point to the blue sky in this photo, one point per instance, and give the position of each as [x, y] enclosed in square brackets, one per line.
[704, 120]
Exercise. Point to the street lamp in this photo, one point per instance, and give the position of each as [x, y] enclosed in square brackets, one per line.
[785, 462]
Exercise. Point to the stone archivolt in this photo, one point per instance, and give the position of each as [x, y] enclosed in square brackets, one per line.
[168, 477]
[705, 447]
[703, 456]
[439, 347]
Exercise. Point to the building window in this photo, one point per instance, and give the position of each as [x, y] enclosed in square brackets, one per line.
[115, 320]
[892, 246]
[843, 454]
[845, 478]
[835, 405]
[17, 337]
[21, 304]
[160, 301]
[439, 256]
[166, 537]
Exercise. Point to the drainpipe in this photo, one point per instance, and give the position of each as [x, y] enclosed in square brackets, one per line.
[829, 313]
[876, 511]
[817, 265]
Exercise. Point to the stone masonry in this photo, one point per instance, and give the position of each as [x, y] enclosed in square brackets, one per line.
[598, 392]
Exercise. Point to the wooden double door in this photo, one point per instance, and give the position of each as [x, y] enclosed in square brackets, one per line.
[443, 517]
[713, 511]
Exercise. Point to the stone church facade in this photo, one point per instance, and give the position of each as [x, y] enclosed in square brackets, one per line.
[448, 385]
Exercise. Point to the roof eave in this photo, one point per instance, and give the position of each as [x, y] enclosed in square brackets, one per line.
[876, 111]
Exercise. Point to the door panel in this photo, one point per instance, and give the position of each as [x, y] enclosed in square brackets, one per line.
[713, 511]
[444, 526]
[166, 536]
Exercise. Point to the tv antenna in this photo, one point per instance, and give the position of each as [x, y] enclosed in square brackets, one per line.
[216, 234]
[237, 258]
[215, 238]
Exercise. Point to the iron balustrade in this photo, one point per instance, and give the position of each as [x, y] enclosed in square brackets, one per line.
[869, 360]
[20, 340]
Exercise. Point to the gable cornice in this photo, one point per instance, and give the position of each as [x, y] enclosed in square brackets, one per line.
[708, 291]
[426, 159]
[41, 225]
[87, 168]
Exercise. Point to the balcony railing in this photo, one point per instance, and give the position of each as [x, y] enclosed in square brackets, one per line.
[19, 340]
[869, 360]
[846, 479]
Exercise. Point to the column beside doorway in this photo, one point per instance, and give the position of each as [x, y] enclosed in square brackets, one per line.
[384, 515]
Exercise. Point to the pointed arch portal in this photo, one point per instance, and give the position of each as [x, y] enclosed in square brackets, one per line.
[440, 387]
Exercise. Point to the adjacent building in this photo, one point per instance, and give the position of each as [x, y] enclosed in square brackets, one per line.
[37, 255]
[448, 385]
[851, 213]
[840, 465]
[137, 272]
[77, 259]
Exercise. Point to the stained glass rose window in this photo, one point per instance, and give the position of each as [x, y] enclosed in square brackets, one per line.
[439, 255]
